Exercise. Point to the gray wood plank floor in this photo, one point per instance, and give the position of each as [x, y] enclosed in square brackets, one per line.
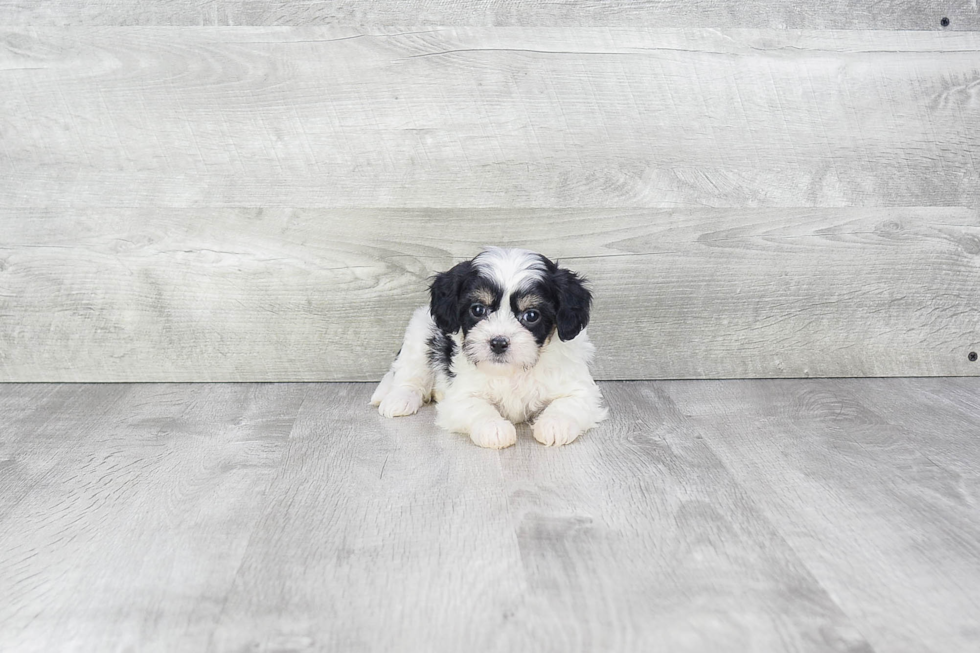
[781, 515]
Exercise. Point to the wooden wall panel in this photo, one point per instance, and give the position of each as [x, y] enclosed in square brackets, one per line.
[265, 203]
[314, 294]
[488, 117]
[779, 14]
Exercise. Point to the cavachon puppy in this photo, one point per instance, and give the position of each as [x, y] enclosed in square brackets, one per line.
[503, 341]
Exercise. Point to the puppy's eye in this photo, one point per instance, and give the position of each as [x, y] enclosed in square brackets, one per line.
[478, 310]
[531, 316]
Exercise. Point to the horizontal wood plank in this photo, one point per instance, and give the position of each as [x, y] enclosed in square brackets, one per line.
[820, 14]
[487, 117]
[314, 294]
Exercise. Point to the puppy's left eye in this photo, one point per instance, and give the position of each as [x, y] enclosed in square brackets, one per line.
[531, 316]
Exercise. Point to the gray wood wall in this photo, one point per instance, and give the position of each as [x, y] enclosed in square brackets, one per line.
[755, 189]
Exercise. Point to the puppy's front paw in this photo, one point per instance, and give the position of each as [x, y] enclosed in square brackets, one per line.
[555, 431]
[496, 434]
[400, 402]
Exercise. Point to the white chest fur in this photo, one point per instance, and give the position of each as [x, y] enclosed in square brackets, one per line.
[519, 394]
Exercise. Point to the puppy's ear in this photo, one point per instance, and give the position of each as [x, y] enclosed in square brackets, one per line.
[444, 296]
[574, 303]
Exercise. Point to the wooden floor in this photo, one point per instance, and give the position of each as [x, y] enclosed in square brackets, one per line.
[791, 515]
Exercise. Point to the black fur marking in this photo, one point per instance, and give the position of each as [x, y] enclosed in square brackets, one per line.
[474, 292]
[453, 292]
[441, 352]
[546, 324]
[444, 294]
[572, 299]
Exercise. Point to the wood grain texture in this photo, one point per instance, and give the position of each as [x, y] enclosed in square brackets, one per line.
[703, 517]
[636, 539]
[820, 14]
[29, 414]
[487, 117]
[307, 295]
[376, 536]
[134, 506]
[873, 483]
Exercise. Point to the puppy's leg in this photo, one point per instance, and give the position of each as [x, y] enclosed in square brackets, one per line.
[408, 384]
[477, 418]
[566, 418]
[383, 388]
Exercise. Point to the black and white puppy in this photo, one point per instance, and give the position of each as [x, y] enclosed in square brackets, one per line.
[503, 341]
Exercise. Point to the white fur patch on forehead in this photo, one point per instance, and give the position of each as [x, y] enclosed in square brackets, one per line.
[510, 268]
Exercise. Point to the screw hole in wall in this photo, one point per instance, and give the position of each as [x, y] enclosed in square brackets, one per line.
[944, 21]
[972, 356]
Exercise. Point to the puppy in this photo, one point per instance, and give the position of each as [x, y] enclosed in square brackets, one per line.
[502, 341]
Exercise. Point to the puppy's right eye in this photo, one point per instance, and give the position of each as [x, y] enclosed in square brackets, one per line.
[478, 310]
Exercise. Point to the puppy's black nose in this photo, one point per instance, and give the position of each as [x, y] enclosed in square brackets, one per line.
[499, 344]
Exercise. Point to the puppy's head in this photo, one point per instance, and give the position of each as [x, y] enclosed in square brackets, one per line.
[508, 302]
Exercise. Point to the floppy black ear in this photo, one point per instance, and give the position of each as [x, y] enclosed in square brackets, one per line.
[574, 303]
[444, 296]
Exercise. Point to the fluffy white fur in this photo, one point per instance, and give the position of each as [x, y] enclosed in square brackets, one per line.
[511, 268]
[549, 386]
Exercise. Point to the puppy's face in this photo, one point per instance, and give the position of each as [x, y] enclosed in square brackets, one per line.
[507, 303]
